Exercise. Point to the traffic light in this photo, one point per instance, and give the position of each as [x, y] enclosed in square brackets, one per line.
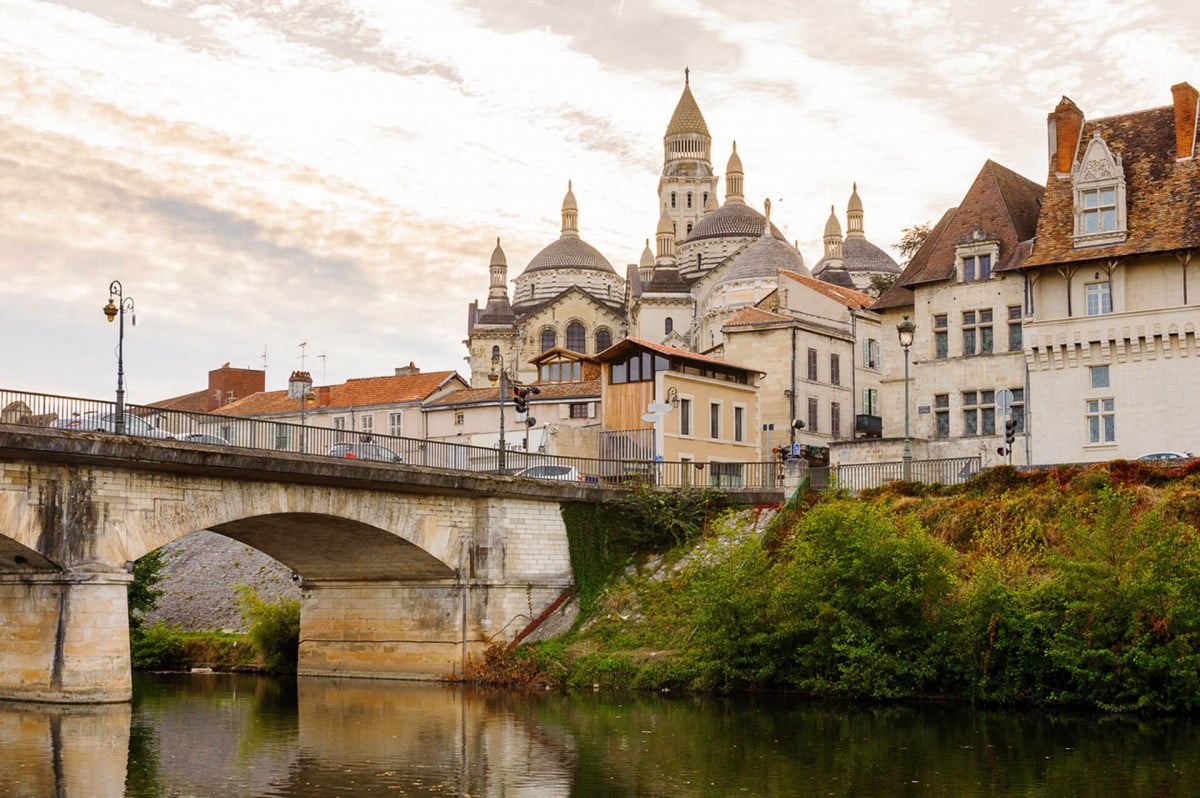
[521, 397]
[782, 452]
[1000, 450]
[1010, 432]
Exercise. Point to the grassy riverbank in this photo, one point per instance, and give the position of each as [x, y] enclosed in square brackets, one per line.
[1073, 587]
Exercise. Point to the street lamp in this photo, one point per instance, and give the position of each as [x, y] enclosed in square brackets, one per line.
[906, 330]
[497, 373]
[118, 303]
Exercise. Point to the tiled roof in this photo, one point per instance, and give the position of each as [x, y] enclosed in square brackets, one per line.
[687, 117]
[847, 296]
[548, 391]
[569, 252]
[764, 258]
[621, 347]
[357, 393]
[733, 219]
[1000, 204]
[1162, 193]
[190, 402]
[752, 316]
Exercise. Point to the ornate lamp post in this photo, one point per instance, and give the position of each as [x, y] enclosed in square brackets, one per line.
[906, 330]
[118, 303]
[497, 374]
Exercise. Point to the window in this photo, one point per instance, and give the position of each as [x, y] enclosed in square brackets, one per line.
[579, 409]
[1098, 376]
[941, 336]
[689, 199]
[1014, 328]
[977, 267]
[979, 412]
[835, 370]
[835, 419]
[1101, 421]
[870, 402]
[576, 337]
[714, 420]
[672, 199]
[668, 325]
[977, 332]
[548, 339]
[812, 414]
[685, 416]
[368, 424]
[812, 364]
[396, 424]
[603, 340]
[1099, 299]
[339, 422]
[704, 197]
[638, 367]
[941, 415]
[871, 353]
[459, 419]
[1099, 211]
[1016, 408]
[726, 475]
[739, 423]
[689, 228]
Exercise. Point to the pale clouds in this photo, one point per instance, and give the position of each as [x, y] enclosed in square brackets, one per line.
[337, 171]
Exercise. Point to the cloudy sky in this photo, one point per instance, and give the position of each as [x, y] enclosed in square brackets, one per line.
[262, 173]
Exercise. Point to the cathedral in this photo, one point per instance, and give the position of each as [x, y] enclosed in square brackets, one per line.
[709, 261]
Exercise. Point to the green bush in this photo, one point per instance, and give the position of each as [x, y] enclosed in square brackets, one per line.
[157, 647]
[274, 628]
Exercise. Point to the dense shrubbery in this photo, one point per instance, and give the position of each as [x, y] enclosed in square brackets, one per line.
[1074, 587]
[274, 628]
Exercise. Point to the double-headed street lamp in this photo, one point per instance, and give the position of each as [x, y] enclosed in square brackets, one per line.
[118, 303]
[906, 330]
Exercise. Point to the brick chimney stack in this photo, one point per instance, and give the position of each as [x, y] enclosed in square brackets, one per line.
[1186, 99]
[1064, 127]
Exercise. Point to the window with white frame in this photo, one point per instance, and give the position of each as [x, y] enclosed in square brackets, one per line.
[976, 256]
[977, 267]
[1099, 298]
[339, 422]
[459, 419]
[871, 353]
[396, 424]
[979, 412]
[1099, 191]
[1101, 421]
[368, 424]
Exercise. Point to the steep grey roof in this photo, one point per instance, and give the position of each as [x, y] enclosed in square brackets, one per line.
[860, 255]
[836, 275]
[666, 280]
[732, 219]
[569, 252]
[764, 258]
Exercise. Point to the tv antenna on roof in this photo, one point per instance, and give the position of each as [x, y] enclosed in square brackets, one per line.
[264, 357]
[302, 345]
[321, 357]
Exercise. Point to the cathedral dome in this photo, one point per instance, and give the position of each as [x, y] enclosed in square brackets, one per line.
[860, 255]
[732, 220]
[764, 258]
[687, 118]
[569, 253]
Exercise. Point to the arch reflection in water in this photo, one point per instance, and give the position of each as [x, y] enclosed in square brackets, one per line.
[63, 750]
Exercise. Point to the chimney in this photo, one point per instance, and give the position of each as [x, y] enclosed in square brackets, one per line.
[225, 383]
[323, 396]
[407, 371]
[1185, 119]
[1064, 127]
[299, 384]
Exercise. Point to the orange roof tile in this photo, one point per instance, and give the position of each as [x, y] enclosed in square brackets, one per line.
[357, 393]
[589, 389]
[847, 296]
[752, 316]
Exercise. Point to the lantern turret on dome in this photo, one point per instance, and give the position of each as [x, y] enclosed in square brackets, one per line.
[854, 215]
[833, 236]
[646, 264]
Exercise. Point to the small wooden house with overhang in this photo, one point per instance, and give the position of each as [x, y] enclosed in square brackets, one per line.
[674, 406]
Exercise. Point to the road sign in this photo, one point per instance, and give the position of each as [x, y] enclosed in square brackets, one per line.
[659, 407]
[1004, 399]
[650, 418]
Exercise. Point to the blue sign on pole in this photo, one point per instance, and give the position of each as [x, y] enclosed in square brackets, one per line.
[795, 450]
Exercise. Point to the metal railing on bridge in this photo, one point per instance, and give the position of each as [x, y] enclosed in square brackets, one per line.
[94, 415]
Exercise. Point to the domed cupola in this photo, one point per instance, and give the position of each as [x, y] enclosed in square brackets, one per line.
[764, 258]
[854, 259]
[568, 262]
[646, 264]
[733, 178]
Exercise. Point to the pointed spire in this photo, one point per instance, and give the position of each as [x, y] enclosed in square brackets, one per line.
[498, 310]
[687, 117]
[570, 214]
[733, 179]
[854, 215]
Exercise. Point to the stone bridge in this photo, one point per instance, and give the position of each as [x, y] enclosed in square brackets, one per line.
[405, 571]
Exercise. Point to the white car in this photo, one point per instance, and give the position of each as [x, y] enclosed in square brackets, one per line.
[1165, 458]
[106, 421]
[563, 472]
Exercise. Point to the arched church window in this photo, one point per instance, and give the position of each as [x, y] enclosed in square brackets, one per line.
[668, 325]
[698, 262]
[603, 340]
[689, 199]
[576, 337]
[705, 195]
[689, 228]
[548, 339]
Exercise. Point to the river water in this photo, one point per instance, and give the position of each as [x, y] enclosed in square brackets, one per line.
[234, 735]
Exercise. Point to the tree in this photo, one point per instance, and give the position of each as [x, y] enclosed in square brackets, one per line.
[911, 239]
[143, 595]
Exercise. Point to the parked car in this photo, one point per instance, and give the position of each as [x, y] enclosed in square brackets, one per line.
[106, 421]
[1165, 458]
[202, 437]
[365, 451]
[563, 472]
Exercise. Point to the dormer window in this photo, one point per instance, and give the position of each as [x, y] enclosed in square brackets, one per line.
[1099, 190]
[976, 257]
